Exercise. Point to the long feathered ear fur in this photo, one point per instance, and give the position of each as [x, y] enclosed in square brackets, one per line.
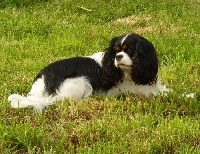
[145, 63]
[111, 74]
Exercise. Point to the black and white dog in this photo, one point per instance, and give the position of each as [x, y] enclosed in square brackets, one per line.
[128, 65]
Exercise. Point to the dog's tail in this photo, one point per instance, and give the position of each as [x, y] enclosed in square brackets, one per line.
[39, 103]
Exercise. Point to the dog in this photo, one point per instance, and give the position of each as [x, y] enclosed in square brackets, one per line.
[128, 65]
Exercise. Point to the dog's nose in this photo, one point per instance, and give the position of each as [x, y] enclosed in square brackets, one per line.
[118, 57]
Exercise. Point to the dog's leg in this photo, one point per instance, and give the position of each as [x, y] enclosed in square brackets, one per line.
[74, 89]
[35, 98]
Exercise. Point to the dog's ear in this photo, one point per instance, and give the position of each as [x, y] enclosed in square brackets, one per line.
[111, 74]
[145, 63]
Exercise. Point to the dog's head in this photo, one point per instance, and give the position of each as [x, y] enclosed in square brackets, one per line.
[130, 53]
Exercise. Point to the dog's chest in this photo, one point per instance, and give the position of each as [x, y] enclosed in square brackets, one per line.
[128, 86]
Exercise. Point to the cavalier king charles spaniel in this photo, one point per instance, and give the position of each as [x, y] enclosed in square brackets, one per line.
[128, 65]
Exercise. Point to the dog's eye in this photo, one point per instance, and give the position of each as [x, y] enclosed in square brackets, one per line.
[117, 49]
[124, 47]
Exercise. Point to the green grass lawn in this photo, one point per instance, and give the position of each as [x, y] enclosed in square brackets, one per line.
[36, 33]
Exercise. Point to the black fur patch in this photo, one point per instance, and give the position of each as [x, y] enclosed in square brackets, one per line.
[55, 73]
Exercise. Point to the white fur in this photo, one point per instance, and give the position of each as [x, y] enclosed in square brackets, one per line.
[122, 41]
[72, 89]
[37, 88]
[125, 60]
[128, 86]
[98, 57]
[18, 101]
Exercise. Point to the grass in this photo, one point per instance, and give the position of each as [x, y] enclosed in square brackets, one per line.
[36, 33]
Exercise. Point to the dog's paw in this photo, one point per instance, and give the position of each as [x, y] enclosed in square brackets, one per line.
[17, 101]
[13, 97]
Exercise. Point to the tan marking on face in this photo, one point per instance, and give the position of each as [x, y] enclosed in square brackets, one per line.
[124, 47]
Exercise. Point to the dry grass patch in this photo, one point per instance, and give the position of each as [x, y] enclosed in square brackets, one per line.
[146, 24]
